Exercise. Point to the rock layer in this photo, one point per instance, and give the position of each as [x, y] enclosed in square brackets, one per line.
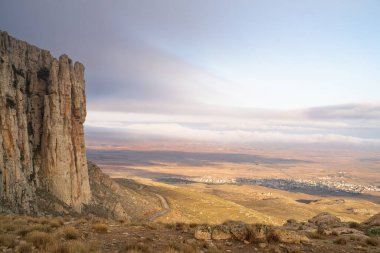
[42, 111]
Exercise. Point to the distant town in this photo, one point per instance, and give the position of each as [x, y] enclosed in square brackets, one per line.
[330, 184]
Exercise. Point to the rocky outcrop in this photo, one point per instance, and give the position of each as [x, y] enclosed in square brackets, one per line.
[42, 111]
[325, 219]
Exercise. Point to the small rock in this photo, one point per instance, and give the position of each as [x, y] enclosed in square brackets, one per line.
[228, 243]
[191, 241]
[262, 245]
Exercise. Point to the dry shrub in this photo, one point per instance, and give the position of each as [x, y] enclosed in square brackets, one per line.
[100, 228]
[23, 231]
[182, 247]
[20, 221]
[354, 225]
[135, 251]
[122, 221]
[24, 247]
[70, 233]
[9, 227]
[137, 247]
[315, 235]
[340, 241]
[295, 250]
[81, 221]
[39, 239]
[170, 250]
[372, 241]
[272, 237]
[170, 226]
[43, 221]
[41, 228]
[56, 223]
[151, 225]
[8, 240]
[73, 247]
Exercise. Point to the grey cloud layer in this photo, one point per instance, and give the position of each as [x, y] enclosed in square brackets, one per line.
[139, 89]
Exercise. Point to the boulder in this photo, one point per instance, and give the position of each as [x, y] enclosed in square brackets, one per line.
[220, 232]
[239, 231]
[203, 232]
[286, 236]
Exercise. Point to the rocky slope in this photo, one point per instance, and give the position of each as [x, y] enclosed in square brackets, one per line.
[42, 111]
[121, 199]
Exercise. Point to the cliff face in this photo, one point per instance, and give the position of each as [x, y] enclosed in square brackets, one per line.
[42, 111]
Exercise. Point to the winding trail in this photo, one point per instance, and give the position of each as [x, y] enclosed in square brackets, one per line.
[164, 204]
[165, 208]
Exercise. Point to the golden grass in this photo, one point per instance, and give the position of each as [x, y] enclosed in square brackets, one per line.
[81, 221]
[8, 240]
[56, 222]
[170, 250]
[135, 251]
[100, 228]
[70, 233]
[73, 247]
[39, 239]
[24, 247]
[137, 247]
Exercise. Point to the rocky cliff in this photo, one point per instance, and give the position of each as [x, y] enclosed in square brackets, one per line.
[42, 111]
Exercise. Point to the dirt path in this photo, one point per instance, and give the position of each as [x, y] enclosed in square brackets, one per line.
[164, 204]
[165, 208]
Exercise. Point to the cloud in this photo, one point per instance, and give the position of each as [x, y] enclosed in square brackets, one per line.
[231, 125]
[347, 111]
[172, 131]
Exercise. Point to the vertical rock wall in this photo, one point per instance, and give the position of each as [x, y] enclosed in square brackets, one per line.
[42, 111]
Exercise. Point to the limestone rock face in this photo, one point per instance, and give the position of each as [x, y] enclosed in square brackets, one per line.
[42, 111]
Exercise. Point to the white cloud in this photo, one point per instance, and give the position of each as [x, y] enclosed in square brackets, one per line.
[241, 126]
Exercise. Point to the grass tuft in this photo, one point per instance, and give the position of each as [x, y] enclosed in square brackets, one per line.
[70, 233]
[73, 247]
[372, 241]
[39, 239]
[340, 241]
[8, 240]
[100, 228]
[24, 247]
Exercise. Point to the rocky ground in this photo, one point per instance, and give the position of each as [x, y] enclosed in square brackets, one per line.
[323, 233]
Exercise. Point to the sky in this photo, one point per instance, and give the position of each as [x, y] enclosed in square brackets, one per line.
[244, 72]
